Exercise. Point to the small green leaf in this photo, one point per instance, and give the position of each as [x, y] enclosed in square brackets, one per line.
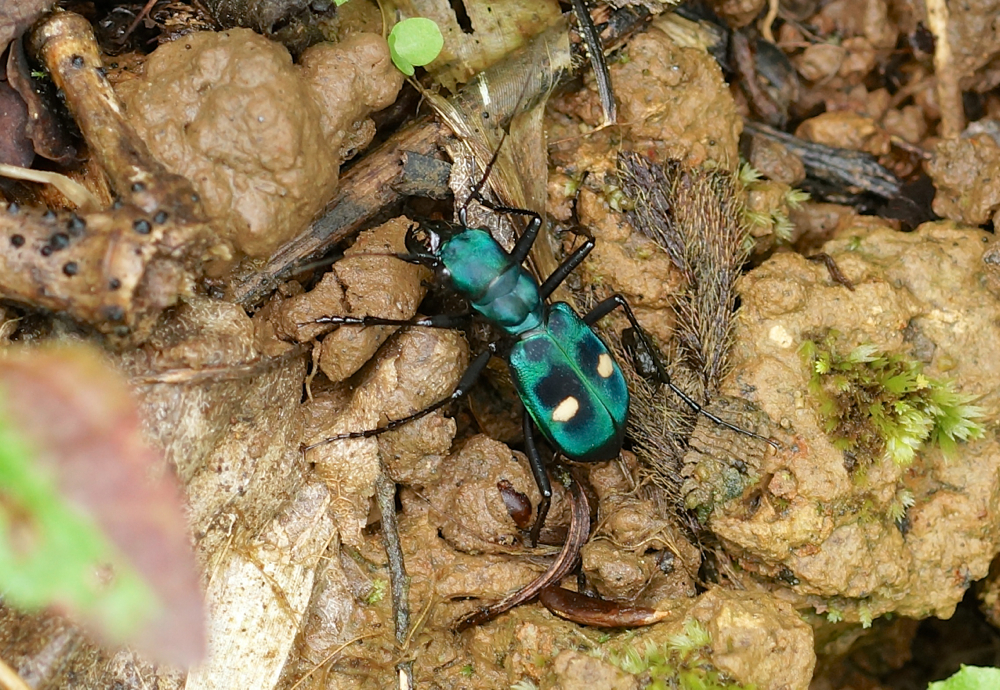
[414, 43]
[970, 678]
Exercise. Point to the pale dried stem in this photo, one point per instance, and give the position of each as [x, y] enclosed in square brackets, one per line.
[948, 90]
[10, 680]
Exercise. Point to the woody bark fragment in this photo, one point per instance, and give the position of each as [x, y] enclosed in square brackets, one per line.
[116, 269]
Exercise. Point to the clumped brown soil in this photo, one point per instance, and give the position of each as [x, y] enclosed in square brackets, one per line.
[245, 187]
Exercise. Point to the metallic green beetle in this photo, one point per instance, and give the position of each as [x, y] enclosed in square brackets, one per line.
[572, 388]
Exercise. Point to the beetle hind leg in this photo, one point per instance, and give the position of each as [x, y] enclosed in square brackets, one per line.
[541, 475]
[617, 301]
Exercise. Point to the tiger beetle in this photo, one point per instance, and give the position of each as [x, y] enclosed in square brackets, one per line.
[572, 388]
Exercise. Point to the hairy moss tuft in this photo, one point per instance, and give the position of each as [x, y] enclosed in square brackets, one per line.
[875, 404]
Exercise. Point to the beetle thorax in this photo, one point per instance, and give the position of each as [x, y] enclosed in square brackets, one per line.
[500, 290]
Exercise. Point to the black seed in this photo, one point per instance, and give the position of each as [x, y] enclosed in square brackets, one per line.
[13, 208]
[60, 240]
[114, 284]
[46, 250]
[114, 313]
[49, 215]
[76, 226]
[160, 217]
[71, 268]
[17, 240]
[76, 61]
[117, 204]
[138, 187]
[142, 226]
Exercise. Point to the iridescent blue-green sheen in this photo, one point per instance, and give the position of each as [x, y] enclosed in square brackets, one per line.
[497, 288]
[561, 359]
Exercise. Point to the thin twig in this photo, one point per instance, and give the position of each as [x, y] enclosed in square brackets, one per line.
[579, 532]
[385, 493]
[330, 656]
[138, 18]
[768, 21]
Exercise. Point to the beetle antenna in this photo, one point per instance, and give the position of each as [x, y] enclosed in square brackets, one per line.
[402, 256]
[476, 192]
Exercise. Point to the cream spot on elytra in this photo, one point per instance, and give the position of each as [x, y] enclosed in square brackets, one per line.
[566, 410]
[605, 367]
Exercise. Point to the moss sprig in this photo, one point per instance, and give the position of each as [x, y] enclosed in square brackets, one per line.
[876, 404]
[681, 663]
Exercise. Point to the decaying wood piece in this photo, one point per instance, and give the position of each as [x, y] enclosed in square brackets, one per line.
[365, 190]
[855, 170]
[119, 268]
[369, 188]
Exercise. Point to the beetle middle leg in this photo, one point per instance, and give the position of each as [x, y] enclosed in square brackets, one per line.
[464, 384]
[445, 321]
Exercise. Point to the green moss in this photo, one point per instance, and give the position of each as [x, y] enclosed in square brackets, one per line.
[377, 592]
[681, 663]
[524, 684]
[902, 502]
[865, 615]
[748, 174]
[773, 220]
[617, 199]
[875, 404]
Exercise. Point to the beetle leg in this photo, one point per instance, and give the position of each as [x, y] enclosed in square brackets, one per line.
[541, 477]
[465, 383]
[565, 268]
[614, 302]
[520, 251]
[450, 321]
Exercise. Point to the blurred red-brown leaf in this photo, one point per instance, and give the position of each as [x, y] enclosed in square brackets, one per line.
[78, 413]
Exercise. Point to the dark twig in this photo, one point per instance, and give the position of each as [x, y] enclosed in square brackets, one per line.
[836, 275]
[840, 167]
[138, 18]
[579, 531]
[596, 53]
[385, 493]
[745, 66]
[368, 188]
